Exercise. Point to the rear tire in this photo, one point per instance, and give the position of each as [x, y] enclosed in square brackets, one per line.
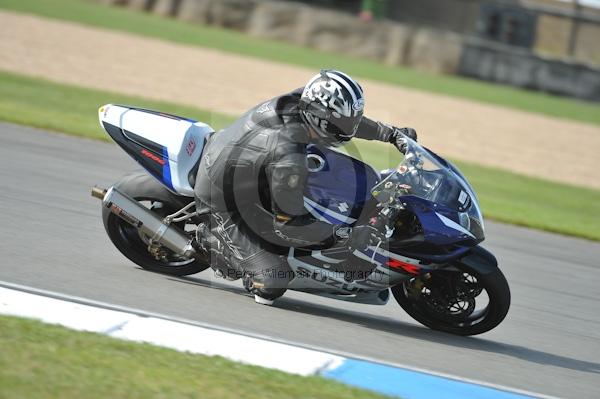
[132, 245]
[493, 283]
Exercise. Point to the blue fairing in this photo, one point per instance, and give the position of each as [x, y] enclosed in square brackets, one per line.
[435, 220]
[338, 192]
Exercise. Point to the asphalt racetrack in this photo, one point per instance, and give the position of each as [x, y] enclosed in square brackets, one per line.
[51, 237]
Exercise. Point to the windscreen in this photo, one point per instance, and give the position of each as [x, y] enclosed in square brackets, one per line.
[420, 174]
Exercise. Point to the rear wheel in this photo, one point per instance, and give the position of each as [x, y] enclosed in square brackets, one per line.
[464, 302]
[135, 245]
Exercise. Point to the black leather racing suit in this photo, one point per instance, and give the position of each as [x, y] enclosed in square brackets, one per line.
[252, 176]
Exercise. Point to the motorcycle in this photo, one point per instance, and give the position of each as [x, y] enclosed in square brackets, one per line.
[432, 262]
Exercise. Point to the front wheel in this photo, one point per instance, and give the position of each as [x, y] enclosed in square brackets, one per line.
[133, 244]
[463, 302]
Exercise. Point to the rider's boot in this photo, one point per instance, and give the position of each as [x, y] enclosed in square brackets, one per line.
[266, 276]
[263, 301]
[262, 295]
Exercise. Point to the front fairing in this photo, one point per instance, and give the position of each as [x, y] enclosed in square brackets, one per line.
[437, 193]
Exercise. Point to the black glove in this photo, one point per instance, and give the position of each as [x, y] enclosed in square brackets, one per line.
[359, 237]
[397, 137]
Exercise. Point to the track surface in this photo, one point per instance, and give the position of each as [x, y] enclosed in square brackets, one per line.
[51, 237]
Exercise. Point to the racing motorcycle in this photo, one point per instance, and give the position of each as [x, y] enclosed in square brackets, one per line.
[431, 262]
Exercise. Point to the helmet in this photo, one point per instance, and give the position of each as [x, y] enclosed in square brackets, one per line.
[332, 105]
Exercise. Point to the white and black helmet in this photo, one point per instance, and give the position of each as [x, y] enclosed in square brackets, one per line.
[332, 103]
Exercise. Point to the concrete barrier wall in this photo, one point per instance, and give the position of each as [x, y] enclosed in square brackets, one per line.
[385, 41]
[503, 64]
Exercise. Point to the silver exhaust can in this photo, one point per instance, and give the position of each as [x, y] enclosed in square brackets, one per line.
[151, 225]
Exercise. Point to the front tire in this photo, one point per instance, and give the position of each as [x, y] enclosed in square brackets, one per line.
[134, 246]
[447, 302]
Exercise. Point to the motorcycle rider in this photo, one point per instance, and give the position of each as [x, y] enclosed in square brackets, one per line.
[253, 174]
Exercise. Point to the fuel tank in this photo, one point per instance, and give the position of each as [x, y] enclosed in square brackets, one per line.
[338, 185]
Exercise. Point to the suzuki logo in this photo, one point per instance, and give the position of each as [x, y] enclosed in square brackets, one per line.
[343, 207]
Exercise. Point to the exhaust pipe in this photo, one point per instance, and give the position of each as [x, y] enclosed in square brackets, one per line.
[137, 215]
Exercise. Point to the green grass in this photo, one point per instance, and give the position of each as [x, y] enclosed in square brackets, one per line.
[536, 203]
[46, 361]
[71, 109]
[90, 13]
[504, 196]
